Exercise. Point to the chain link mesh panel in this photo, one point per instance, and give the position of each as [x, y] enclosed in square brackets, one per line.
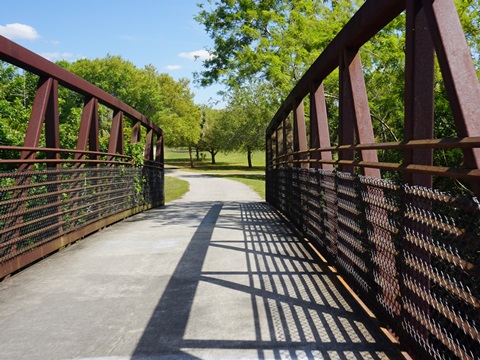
[412, 253]
[39, 206]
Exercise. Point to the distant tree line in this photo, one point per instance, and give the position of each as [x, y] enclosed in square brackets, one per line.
[168, 103]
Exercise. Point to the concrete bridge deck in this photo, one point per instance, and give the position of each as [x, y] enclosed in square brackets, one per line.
[215, 275]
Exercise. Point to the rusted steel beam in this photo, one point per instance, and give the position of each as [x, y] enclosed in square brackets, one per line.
[47, 150]
[346, 123]
[115, 144]
[135, 133]
[419, 124]
[149, 146]
[319, 130]
[359, 110]
[419, 83]
[299, 131]
[36, 64]
[268, 151]
[112, 160]
[37, 116]
[278, 144]
[456, 173]
[369, 19]
[458, 71]
[88, 132]
[52, 123]
[447, 143]
[159, 153]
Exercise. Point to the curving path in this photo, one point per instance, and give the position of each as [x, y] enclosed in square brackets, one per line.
[214, 275]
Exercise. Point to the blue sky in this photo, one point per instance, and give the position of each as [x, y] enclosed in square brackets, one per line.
[158, 32]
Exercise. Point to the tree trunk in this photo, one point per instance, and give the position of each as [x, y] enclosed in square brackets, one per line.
[213, 153]
[192, 165]
[249, 156]
[198, 153]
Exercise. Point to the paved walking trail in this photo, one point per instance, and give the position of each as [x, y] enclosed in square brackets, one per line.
[214, 275]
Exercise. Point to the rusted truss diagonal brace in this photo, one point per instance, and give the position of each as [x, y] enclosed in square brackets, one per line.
[135, 133]
[44, 110]
[115, 144]
[354, 111]
[319, 130]
[88, 133]
[300, 132]
[149, 146]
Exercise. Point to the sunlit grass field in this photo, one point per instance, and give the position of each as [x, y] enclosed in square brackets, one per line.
[175, 188]
[232, 166]
[232, 162]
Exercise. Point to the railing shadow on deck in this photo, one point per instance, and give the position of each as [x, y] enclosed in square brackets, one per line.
[297, 307]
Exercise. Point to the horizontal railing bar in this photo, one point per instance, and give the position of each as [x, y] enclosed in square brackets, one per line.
[61, 161]
[54, 150]
[448, 143]
[457, 173]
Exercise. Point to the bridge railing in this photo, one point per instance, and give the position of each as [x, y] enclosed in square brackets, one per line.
[50, 196]
[411, 252]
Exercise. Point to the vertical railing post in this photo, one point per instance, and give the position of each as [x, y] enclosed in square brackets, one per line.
[135, 133]
[356, 108]
[286, 158]
[52, 125]
[300, 136]
[278, 143]
[88, 132]
[419, 124]
[419, 81]
[149, 145]
[115, 144]
[159, 150]
[37, 117]
[346, 125]
[319, 130]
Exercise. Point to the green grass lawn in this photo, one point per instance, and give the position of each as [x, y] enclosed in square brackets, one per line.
[233, 166]
[175, 188]
[232, 162]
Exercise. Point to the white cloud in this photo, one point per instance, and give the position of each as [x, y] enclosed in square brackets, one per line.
[19, 31]
[173, 67]
[197, 54]
[54, 56]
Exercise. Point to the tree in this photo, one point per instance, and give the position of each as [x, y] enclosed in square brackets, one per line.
[138, 88]
[17, 91]
[167, 102]
[180, 118]
[275, 41]
[249, 111]
[218, 132]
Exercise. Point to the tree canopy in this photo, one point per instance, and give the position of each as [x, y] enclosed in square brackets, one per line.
[274, 40]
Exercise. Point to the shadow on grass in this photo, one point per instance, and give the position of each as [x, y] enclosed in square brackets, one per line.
[242, 176]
